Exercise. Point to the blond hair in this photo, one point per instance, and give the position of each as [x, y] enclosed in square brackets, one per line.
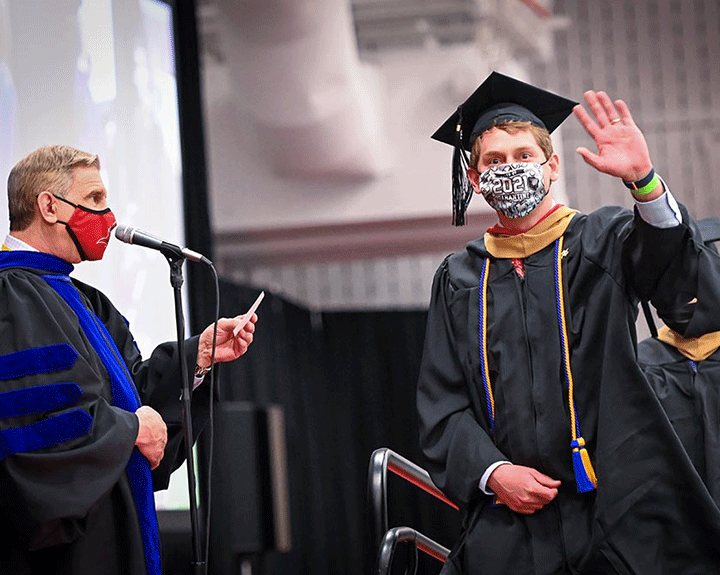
[49, 168]
[542, 137]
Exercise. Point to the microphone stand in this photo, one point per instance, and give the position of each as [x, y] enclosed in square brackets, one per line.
[176, 261]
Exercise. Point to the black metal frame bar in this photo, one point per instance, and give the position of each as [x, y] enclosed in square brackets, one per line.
[385, 540]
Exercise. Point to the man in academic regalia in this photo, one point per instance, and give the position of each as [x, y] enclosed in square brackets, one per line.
[534, 414]
[83, 418]
[685, 374]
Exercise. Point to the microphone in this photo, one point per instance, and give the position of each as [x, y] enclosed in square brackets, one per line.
[131, 235]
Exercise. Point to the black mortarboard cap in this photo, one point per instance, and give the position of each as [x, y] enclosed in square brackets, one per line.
[499, 98]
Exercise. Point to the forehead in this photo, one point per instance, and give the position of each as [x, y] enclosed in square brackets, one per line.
[498, 140]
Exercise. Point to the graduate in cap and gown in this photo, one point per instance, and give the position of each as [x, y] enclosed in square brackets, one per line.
[534, 414]
[83, 419]
[685, 374]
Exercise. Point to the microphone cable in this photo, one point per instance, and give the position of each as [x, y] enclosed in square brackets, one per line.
[211, 439]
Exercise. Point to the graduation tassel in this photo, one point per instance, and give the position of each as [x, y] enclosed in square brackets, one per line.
[585, 477]
[584, 472]
[461, 188]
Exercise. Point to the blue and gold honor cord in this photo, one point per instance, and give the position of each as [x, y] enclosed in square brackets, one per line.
[584, 472]
[484, 366]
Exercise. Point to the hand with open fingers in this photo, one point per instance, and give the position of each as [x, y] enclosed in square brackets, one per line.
[152, 435]
[622, 149]
[523, 489]
[229, 346]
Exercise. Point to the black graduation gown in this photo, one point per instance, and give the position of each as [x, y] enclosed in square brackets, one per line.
[649, 514]
[689, 392]
[68, 508]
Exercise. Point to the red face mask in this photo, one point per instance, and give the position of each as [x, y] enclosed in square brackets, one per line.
[90, 230]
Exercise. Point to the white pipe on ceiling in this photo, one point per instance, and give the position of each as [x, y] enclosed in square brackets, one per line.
[295, 70]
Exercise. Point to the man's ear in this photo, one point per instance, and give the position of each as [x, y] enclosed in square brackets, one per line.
[554, 163]
[474, 177]
[47, 207]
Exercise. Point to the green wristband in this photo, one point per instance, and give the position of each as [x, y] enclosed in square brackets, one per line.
[644, 185]
[649, 187]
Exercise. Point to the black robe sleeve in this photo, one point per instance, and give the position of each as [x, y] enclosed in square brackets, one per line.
[457, 449]
[159, 382]
[46, 493]
[672, 267]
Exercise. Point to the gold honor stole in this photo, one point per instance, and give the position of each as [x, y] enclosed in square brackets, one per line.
[545, 232]
[694, 348]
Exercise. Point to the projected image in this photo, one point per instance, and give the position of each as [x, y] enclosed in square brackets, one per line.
[99, 75]
[8, 98]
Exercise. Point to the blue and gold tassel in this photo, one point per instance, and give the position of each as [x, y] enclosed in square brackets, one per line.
[584, 472]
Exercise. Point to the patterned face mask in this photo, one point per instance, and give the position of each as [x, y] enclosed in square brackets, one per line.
[514, 189]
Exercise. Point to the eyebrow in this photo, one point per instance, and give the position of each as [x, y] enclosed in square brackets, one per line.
[523, 149]
[96, 191]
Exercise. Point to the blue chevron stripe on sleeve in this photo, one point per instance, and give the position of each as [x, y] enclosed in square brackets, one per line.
[39, 399]
[45, 432]
[37, 360]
